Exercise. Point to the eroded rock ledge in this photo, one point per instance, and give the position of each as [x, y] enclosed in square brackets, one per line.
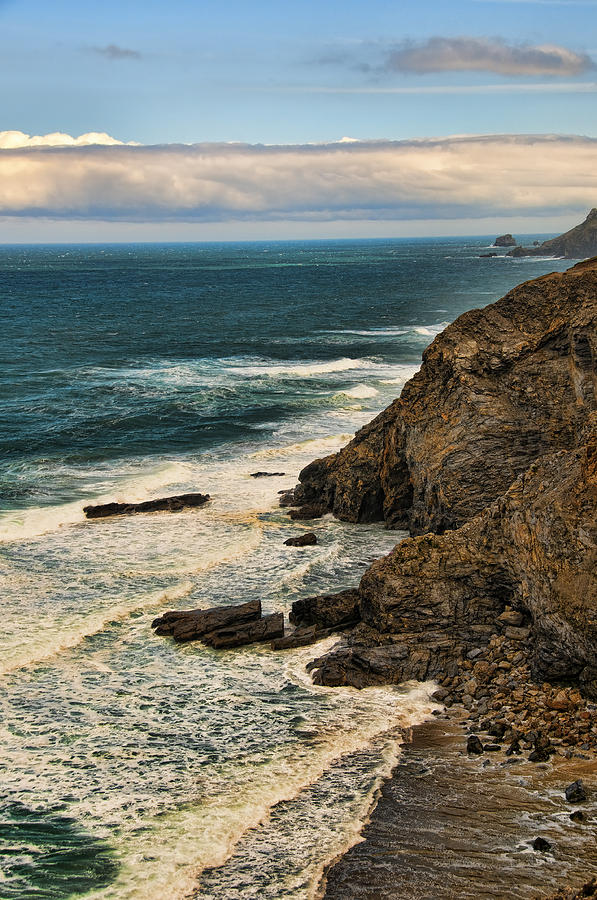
[492, 450]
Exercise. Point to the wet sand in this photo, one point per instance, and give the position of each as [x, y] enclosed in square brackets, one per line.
[448, 825]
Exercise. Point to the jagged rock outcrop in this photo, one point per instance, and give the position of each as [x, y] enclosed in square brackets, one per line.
[435, 598]
[578, 243]
[498, 389]
[505, 240]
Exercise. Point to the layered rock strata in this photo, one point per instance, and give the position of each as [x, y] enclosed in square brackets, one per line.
[491, 449]
[499, 388]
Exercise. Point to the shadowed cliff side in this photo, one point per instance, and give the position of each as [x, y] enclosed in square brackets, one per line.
[498, 389]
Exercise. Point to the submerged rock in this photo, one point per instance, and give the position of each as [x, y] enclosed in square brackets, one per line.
[303, 540]
[267, 474]
[308, 511]
[167, 504]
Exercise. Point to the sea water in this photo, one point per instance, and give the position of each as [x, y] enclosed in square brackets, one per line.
[132, 767]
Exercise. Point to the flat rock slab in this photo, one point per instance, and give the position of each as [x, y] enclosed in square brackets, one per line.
[190, 625]
[266, 629]
[267, 474]
[166, 504]
[327, 610]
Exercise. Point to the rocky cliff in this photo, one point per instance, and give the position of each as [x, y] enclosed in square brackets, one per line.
[492, 450]
[578, 243]
[499, 388]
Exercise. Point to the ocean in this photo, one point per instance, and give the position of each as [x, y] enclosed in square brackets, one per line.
[132, 768]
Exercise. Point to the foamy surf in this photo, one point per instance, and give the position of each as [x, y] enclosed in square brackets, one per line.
[204, 835]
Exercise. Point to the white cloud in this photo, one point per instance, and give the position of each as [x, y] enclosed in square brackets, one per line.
[467, 176]
[443, 54]
[10, 140]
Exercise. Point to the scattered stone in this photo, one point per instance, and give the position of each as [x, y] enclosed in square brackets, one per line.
[303, 540]
[559, 702]
[474, 745]
[164, 504]
[577, 816]
[511, 617]
[575, 792]
[491, 748]
[541, 845]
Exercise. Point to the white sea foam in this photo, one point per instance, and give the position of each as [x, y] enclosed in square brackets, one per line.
[299, 369]
[361, 392]
[166, 856]
[51, 637]
[120, 485]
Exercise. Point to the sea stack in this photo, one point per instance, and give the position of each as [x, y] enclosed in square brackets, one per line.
[505, 240]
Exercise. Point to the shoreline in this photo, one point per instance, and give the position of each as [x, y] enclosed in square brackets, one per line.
[450, 825]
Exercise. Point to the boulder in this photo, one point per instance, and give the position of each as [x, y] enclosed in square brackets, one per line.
[189, 625]
[474, 745]
[575, 792]
[167, 504]
[266, 629]
[303, 540]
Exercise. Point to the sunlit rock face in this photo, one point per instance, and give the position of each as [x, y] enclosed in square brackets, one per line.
[491, 451]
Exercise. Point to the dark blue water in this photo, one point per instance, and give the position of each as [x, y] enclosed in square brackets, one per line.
[129, 764]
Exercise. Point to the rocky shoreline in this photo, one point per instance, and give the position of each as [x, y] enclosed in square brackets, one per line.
[489, 459]
[448, 824]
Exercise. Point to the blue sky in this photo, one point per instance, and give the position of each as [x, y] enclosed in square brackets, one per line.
[296, 73]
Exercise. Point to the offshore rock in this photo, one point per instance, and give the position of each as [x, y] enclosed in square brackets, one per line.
[505, 240]
[189, 625]
[578, 243]
[499, 388]
[265, 629]
[303, 540]
[168, 504]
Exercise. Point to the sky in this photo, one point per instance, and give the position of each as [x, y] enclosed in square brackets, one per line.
[205, 120]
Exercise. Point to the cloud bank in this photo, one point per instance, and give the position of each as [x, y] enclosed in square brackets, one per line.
[10, 140]
[454, 177]
[441, 54]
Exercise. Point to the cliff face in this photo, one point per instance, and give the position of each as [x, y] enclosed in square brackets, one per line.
[498, 389]
[578, 243]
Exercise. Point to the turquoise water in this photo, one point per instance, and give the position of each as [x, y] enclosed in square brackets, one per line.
[131, 767]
